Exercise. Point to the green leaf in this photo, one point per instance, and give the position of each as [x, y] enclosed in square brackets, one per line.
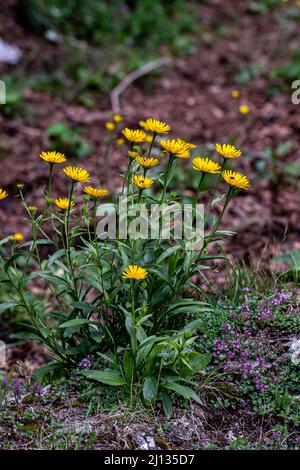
[167, 405]
[182, 390]
[150, 388]
[109, 377]
[75, 323]
[7, 305]
[165, 254]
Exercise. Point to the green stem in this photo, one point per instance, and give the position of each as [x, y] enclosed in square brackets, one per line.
[170, 162]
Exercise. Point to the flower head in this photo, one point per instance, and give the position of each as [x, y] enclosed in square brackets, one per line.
[3, 194]
[233, 178]
[244, 109]
[134, 136]
[53, 157]
[188, 145]
[235, 94]
[142, 182]
[95, 193]
[177, 148]
[205, 165]
[77, 174]
[63, 203]
[118, 118]
[120, 141]
[17, 237]
[158, 127]
[147, 162]
[110, 126]
[228, 151]
[135, 272]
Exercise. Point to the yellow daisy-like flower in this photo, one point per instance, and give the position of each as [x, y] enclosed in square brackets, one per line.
[233, 178]
[134, 136]
[63, 203]
[177, 148]
[228, 151]
[53, 157]
[95, 193]
[120, 141]
[206, 165]
[118, 118]
[77, 174]
[142, 182]
[133, 154]
[149, 138]
[244, 109]
[235, 94]
[110, 126]
[188, 145]
[158, 127]
[135, 272]
[17, 237]
[147, 162]
[3, 194]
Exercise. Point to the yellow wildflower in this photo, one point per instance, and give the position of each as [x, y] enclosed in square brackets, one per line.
[134, 136]
[53, 157]
[244, 109]
[177, 148]
[158, 127]
[205, 165]
[3, 194]
[63, 203]
[110, 126]
[147, 162]
[118, 118]
[135, 272]
[77, 174]
[235, 94]
[142, 182]
[120, 141]
[228, 151]
[95, 193]
[233, 178]
[17, 237]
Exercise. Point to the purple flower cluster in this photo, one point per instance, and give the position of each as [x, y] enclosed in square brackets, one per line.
[87, 362]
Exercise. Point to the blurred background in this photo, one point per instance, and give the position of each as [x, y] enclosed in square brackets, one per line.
[215, 70]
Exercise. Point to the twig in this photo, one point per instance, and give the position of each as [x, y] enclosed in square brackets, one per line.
[131, 77]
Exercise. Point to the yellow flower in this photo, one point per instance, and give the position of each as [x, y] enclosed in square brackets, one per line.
[17, 237]
[142, 182]
[3, 194]
[135, 272]
[147, 162]
[133, 154]
[177, 148]
[149, 138]
[135, 136]
[187, 144]
[63, 203]
[77, 174]
[110, 126]
[32, 209]
[120, 141]
[228, 151]
[95, 193]
[244, 109]
[235, 94]
[158, 127]
[142, 123]
[118, 118]
[206, 165]
[233, 178]
[53, 157]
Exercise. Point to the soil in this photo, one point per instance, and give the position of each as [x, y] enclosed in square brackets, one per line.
[194, 95]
